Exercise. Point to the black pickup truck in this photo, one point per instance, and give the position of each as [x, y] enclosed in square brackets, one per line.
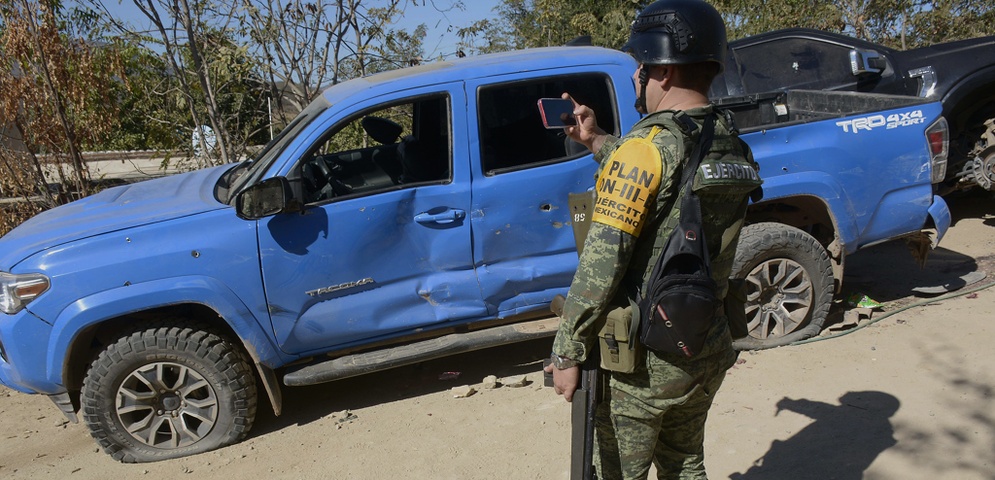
[961, 75]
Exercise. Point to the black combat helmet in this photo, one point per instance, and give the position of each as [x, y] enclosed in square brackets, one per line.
[675, 32]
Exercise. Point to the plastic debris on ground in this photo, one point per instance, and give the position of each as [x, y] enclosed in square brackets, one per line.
[863, 301]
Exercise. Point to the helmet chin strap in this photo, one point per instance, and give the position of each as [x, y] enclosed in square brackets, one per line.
[644, 77]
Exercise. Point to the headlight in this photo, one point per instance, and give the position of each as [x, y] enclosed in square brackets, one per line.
[17, 290]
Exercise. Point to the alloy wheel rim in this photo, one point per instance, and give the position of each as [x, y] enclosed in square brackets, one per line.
[779, 298]
[167, 405]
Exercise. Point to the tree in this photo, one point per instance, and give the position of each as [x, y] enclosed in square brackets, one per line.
[896, 23]
[204, 71]
[936, 21]
[302, 46]
[181, 30]
[242, 61]
[151, 116]
[57, 98]
[750, 17]
[541, 23]
[293, 41]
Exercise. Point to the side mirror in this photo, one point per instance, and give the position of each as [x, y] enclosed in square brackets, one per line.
[866, 61]
[266, 198]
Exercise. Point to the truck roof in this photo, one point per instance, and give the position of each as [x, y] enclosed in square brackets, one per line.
[481, 66]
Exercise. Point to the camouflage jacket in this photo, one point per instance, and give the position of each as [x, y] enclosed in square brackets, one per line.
[625, 240]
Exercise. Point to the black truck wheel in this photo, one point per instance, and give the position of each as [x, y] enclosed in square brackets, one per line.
[789, 284]
[168, 392]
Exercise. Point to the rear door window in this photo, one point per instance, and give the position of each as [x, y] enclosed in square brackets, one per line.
[512, 135]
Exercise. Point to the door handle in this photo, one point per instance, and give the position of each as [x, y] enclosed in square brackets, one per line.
[450, 215]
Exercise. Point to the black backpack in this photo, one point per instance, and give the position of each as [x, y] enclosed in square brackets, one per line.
[680, 302]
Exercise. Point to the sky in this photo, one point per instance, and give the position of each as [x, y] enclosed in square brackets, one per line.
[439, 15]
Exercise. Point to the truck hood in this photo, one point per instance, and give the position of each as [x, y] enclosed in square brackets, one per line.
[111, 210]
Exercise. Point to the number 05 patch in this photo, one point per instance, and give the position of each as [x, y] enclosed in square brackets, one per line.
[627, 184]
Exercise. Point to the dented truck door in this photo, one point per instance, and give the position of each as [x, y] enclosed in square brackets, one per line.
[523, 242]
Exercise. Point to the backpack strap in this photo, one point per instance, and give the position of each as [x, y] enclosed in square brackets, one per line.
[700, 149]
[690, 205]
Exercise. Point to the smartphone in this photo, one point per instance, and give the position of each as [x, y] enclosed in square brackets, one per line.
[557, 112]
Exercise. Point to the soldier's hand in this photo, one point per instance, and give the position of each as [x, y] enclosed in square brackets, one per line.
[565, 381]
[586, 132]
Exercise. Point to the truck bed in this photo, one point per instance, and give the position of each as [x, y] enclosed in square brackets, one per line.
[764, 111]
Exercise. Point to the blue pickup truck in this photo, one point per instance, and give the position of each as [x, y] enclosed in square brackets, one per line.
[402, 217]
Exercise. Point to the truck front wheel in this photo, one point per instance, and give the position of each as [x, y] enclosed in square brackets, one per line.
[168, 392]
[789, 283]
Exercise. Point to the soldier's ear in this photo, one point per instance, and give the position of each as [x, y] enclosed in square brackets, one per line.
[661, 72]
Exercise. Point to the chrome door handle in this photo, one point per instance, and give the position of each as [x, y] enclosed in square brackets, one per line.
[449, 216]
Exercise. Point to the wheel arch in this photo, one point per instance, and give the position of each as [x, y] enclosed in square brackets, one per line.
[810, 214]
[971, 99]
[967, 105]
[90, 324]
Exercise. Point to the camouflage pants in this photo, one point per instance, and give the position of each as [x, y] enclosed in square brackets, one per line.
[657, 416]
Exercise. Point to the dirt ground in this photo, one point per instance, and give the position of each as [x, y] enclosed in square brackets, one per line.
[908, 395]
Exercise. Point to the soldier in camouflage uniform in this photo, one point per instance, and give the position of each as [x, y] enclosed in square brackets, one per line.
[657, 412]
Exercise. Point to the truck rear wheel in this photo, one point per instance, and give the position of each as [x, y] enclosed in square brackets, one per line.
[168, 392]
[789, 284]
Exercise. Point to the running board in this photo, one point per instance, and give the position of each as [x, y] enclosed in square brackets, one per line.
[454, 343]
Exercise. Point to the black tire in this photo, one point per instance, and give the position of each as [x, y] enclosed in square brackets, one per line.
[789, 284]
[204, 394]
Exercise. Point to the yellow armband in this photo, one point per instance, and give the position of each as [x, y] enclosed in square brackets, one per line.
[627, 184]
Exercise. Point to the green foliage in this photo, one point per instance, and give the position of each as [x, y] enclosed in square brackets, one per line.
[392, 49]
[750, 17]
[899, 24]
[353, 137]
[542, 23]
[895, 23]
[946, 20]
[239, 94]
[484, 36]
[150, 113]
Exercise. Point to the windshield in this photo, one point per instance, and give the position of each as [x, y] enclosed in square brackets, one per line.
[252, 171]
